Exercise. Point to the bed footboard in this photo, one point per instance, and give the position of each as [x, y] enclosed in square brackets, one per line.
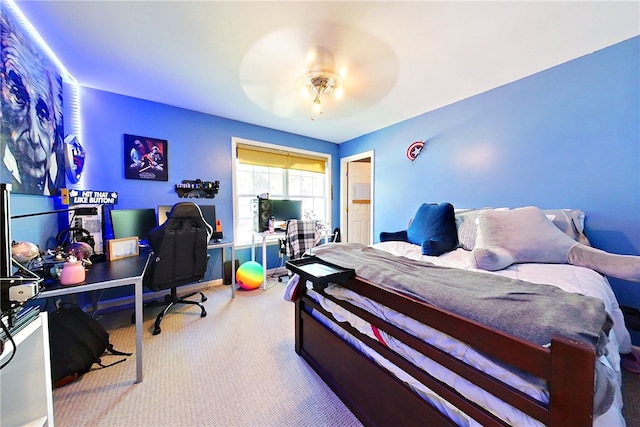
[377, 397]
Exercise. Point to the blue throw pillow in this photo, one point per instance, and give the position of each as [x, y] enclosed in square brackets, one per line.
[434, 229]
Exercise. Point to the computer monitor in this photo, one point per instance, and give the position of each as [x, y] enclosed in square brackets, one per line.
[208, 212]
[163, 213]
[133, 223]
[283, 210]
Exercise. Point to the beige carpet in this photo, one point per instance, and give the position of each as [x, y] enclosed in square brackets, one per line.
[235, 367]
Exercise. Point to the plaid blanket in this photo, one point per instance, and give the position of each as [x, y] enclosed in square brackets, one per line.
[301, 236]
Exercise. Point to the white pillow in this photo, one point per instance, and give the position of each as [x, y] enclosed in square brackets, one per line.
[466, 221]
[570, 221]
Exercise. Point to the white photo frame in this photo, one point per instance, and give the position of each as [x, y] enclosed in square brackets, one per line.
[122, 248]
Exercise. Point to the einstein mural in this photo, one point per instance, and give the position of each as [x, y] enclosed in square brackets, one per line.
[31, 135]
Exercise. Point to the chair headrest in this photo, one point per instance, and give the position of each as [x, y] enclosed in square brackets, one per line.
[189, 210]
[185, 210]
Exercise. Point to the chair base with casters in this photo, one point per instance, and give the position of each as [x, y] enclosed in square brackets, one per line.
[284, 275]
[173, 299]
[282, 249]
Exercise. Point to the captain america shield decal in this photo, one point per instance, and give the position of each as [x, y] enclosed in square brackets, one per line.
[414, 150]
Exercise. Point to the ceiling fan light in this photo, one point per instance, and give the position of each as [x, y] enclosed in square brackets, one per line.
[321, 80]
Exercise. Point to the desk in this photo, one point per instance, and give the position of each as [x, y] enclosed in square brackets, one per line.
[227, 243]
[112, 274]
[128, 271]
[265, 235]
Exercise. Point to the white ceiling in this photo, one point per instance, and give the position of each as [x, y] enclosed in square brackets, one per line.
[403, 58]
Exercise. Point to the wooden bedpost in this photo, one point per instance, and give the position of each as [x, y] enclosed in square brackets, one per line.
[298, 330]
[571, 391]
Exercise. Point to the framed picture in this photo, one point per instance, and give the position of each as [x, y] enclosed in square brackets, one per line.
[122, 248]
[145, 158]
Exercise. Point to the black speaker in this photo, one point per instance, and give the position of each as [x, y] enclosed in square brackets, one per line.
[262, 214]
[227, 271]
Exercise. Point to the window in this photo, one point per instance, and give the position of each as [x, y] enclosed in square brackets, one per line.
[283, 173]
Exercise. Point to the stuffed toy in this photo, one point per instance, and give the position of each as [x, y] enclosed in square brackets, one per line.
[523, 235]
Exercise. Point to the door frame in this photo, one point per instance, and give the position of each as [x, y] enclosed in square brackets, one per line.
[344, 186]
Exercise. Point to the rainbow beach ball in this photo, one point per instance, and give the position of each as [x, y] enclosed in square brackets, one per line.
[250, 275]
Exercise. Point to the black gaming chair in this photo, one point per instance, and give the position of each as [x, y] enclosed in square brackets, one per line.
[179, 256]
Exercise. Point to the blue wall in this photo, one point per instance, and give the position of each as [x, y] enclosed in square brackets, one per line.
[199, 146]
[567, 137]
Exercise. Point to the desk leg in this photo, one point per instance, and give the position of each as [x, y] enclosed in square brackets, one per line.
[253, 247]
[264, 262]
[138, 304]
[233, 271]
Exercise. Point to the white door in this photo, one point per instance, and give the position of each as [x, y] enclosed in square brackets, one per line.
[359, 202]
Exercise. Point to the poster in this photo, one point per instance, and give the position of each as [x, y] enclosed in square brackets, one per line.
[31, 133]
[145, 158]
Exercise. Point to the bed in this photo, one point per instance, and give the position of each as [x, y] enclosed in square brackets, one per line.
[397, 357]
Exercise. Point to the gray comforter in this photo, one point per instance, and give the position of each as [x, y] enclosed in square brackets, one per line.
[534, 312]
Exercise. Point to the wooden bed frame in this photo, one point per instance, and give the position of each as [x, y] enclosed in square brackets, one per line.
[378, 398]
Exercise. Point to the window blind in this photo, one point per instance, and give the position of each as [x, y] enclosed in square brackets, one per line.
[262, 156]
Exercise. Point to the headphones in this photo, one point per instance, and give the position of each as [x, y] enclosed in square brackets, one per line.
[75, 234]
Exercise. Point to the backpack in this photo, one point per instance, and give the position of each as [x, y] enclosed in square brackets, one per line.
[76, 341]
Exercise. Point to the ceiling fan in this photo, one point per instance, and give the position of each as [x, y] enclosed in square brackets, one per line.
[321, 81]
[318, 72]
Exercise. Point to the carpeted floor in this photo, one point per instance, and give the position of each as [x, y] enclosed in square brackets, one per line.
[235, 367]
